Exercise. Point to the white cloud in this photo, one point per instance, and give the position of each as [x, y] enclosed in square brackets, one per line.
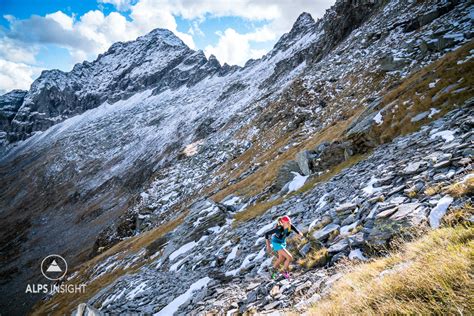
[64, 20]
[17, 52]
[16, 75]
[235, 48]
[16, 70]
[195, 29]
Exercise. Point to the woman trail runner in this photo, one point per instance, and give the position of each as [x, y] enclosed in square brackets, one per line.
[281, 231]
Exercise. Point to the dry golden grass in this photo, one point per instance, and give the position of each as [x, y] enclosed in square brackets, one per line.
[459, 216]
[314, 259]
[414, 95]
[430, 276]
[461, 188]
[412, 193]
[64, 304]
[432, 190]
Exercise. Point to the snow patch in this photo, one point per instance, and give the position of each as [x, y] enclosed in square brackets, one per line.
[369, 189]
[433, 111]
[446, 135]
[438, 212]
[175, 266]
[232, 254]
[137, 290]
[172, 307]
[232, 201]
[265, 228]
[297, 182]
[183, 249]
[378, 118]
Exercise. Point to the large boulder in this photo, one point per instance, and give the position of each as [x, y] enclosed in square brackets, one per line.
[285, 174]
[330, 155]
[303, 160]
[360, 131]
[394, 221]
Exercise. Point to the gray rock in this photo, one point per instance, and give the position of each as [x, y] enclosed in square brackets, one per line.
[305, 249]
[340, 246]
[420, 116]
[396, 190]
[356, 254]
[389, 63]
[356, 239]
[414, 167]
[302, 158]
[346, 207]
[324, 232]
[406, 215]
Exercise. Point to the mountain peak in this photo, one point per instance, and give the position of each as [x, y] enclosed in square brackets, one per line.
[304, 19]
[303, 24]
[163, 35]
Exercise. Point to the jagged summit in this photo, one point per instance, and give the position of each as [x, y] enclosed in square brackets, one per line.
[304, 19]
[303, 25]
[163, 35]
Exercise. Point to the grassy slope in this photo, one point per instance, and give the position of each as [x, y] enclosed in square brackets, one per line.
[430, 276]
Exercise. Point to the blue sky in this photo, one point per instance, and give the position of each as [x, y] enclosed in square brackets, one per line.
[46, 34]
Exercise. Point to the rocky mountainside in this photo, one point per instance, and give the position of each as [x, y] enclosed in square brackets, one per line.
[154, 164]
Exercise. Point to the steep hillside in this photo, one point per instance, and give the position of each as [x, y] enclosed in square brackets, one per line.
[155, 171]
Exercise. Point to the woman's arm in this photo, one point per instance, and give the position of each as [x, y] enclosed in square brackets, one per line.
[270, 232]
[296, 230]
[267, 239]
[269, 248]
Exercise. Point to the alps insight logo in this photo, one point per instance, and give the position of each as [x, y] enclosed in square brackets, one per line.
[54, 268]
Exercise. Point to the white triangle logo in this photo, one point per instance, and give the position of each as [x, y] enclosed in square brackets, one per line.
[53, 267]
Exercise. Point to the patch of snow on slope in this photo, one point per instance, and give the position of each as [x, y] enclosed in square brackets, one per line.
[137, 290]
[297, 182]
[433, 111]
[244, 264]
[438, 212]
[227, 244]
[446, 135]
[378, 118]
[172, 307]
[183, 249]
[369, 189]
[176, 265]
[232, 254]
[234, 200]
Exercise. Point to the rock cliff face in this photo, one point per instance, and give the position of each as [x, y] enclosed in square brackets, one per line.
[183, 163]
[157, 61]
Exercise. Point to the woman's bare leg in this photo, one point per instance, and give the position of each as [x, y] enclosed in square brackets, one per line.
[279, 260]
[287, 257]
